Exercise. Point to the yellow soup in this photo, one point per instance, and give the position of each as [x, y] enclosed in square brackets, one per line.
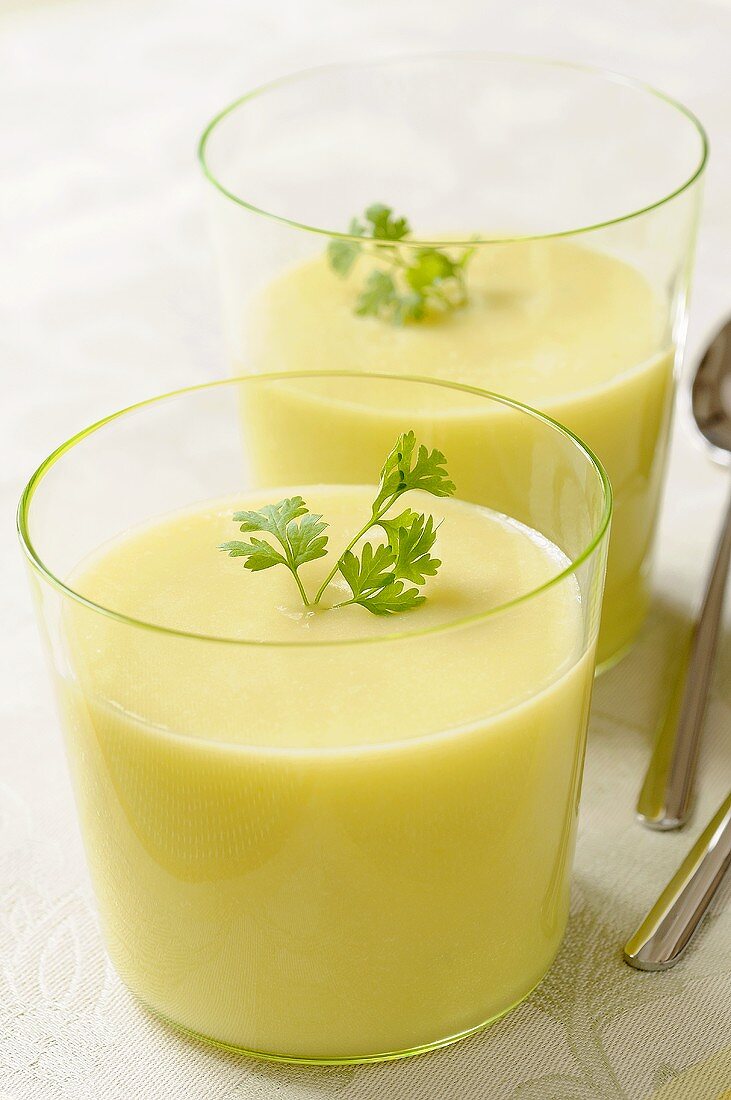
[574, 332]
[350, 842]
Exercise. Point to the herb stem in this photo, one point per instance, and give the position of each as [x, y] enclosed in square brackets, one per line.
[303, 594]
[335, 568]
[293, 569]
[390, 257]
[372, 522]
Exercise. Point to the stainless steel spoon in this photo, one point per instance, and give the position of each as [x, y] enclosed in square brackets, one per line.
[667, 929]
[667, 792]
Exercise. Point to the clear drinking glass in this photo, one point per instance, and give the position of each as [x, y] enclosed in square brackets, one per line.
[584, 190]
[322, 850]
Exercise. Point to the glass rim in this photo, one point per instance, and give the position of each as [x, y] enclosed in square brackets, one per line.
[48, 575]
[606, 74]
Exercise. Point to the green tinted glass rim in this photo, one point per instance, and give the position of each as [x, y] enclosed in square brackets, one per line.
[469, 56]
[47, 574]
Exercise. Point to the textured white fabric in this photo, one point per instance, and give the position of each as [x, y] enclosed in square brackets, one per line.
[107, 295]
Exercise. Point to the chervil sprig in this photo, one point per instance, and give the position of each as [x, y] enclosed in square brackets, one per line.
[419, 279]
[377, 575]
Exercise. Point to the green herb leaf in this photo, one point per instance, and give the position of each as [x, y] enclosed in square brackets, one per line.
[398, 475]
[407, 307]
[272, 517]
[380, 298]
[379, 295]
[413, 561]
[370, 572]
[385, 226]
[392, 526]
[259, 554]
[301, 541]
[431, 266]
[373, 582]
[428, 473]
[420, 280]
[342, 254]
[391, 599]
[306, 539]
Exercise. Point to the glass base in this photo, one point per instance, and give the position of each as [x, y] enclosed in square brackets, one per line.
[352, 1060]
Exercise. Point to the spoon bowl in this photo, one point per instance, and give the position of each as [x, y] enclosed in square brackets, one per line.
[710, 397]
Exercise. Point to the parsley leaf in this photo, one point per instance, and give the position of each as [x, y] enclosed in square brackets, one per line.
[306, 539]
[413, 561]
[259, 554]
[408, 307]
[398, 476]
[302, 541]
[378, 296]
[342, 255]
[374, 584]
[391, 599]
[298, 531]
[272, 517]
[392, 526]
[371, 572]
[431, 266]
[385, 227]
[422, 280]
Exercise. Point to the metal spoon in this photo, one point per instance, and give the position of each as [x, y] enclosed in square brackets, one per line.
[666, 796]
[667, 929]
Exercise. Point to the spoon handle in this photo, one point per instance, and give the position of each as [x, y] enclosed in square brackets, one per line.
[666, 930]
[667, 791]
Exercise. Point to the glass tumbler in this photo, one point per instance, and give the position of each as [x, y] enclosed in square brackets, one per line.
[572, 193]
[320, 849]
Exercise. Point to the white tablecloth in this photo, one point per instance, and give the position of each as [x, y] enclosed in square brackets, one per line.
[107, 295]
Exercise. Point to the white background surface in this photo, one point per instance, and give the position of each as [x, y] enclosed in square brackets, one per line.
[107, 295]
